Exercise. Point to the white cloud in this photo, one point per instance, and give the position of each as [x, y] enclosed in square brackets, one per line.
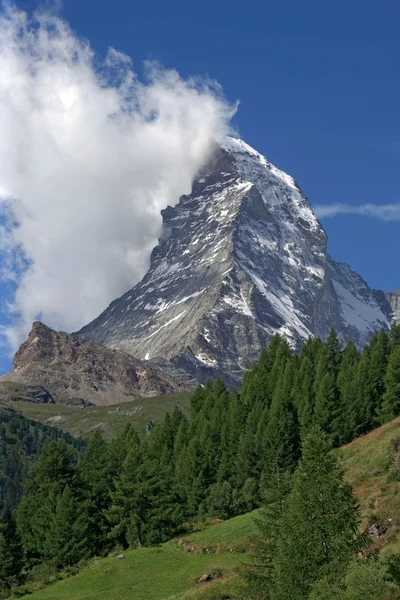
[89, 155]
[384, 212]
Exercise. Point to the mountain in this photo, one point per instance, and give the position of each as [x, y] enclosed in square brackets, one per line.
[241, 258]
[394, 300]
[56, 367]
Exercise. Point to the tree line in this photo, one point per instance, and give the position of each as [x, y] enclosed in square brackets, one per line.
[21, 443]
[220, 459]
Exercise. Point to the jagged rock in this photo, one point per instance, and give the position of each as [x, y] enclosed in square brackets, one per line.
[376, 530]
[394, 299]
[13, 392]
[241, 258]
[205, 578]
[62, 368]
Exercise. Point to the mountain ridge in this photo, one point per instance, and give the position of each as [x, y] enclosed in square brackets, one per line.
[239, 259]
[57, 367]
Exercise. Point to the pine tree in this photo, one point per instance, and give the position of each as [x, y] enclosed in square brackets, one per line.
[55, 466]
[329, 357]
[219, 501]
[327, 405]
[370, 385]
[12, 556]
[145, 509]
[256, 386]
[319, 523]
[260, 574]
[197, 400]
[282, 435]
[391, 398]
[282, 356]
[54, 471]
[121, 446]
[121, 510]
[303, 392]
[247, 463]
[97, 474]
[67, 540]
[346, 422]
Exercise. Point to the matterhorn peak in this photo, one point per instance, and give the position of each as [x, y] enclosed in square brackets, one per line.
[241, 258]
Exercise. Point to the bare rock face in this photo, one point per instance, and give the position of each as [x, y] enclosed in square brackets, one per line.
[394, 299]
[241, 258]
[67, 369]
[13, 392]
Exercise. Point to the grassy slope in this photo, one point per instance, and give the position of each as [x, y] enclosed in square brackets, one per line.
[110, 419]
[171, 571]
[365, 461]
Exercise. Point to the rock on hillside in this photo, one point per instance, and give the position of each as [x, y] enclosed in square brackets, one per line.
[53, 366]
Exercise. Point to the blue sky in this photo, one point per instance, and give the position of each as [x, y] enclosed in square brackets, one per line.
[318, 87]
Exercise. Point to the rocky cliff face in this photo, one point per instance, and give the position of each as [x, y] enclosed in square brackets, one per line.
[241, 258]
[57, 367]
[394, 300]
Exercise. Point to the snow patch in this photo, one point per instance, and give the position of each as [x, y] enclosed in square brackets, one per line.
[357, 313]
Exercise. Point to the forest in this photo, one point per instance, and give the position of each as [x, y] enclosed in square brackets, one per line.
[266, 445]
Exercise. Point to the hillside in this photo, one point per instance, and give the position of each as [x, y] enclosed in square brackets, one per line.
[171, 570]
[372, 466]
[81, 422]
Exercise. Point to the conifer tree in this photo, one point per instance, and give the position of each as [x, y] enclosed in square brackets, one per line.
[303, 392]
[247, 460]
[282, 435]
[394, 335]
[282, 356]
[391, 398]
[54, 471]
[257, 383]
[319, 523]
[96, 472]
[370, 384]
[327, 405]
[121, 446]
[346, 421]
[260, 574]
[197, 399]
[329, 356]
[120, 512]
[67, 540]
[189, 477]
[362, 412]
[12, 557]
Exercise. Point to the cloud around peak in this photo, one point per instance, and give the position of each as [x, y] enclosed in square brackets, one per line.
[89, 155]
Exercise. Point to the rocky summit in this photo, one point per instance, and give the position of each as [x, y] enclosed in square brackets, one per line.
[241, 258]
[56, 367]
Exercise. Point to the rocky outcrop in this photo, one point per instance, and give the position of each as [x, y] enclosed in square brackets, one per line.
[15, 392]
[58, 367]
[241, 258]
[394, 299]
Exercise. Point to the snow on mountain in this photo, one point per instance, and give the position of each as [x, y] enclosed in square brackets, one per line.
[241, 258]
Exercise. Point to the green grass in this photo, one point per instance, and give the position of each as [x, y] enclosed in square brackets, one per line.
[111, 419]
[171, 571]
[168, 572]
[365, 462]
